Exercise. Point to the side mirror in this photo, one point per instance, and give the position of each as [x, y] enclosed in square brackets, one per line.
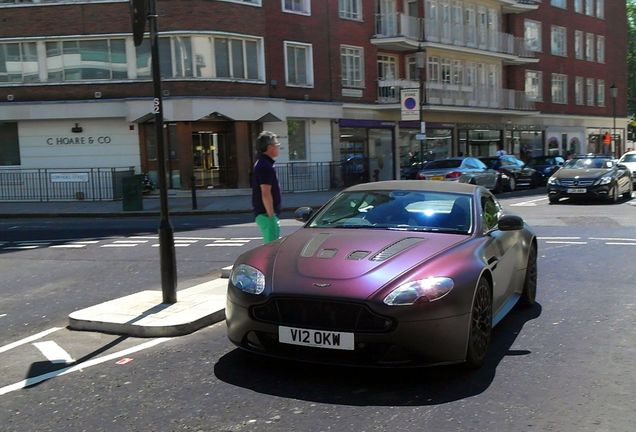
[303, 214]
[510, 223]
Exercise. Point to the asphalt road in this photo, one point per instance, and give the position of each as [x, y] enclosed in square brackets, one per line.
[566, 365]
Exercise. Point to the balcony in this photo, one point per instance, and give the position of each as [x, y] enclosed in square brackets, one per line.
[480, 98]
[396, 31]
[519, 6]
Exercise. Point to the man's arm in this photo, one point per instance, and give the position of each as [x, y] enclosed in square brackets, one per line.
[268, 199]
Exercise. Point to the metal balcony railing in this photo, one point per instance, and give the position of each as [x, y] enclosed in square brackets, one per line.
[458, 95]
[397, 24]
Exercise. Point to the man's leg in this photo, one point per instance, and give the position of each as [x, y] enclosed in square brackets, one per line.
[269, 227]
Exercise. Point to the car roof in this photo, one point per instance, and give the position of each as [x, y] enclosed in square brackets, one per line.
[415, 185]
[592, 156]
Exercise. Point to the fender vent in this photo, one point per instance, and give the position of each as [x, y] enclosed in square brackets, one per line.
[358, 255]
[313, 245]
[395, 248]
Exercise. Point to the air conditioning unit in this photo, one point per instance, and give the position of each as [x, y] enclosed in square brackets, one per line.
[9, 97]
[98, 94]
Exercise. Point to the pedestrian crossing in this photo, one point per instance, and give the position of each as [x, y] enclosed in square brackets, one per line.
[127, 243]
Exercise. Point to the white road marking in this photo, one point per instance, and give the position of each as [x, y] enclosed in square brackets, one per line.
[21, 247]
[29, 339]
[613, 239]
[3, 315]
[558, 238]
[246, 238]
[224, 244]
[131, 241]
[623, 244]
[231, 241]
[530, 203]
[185, 241]
[53, 352]
[38, 379]
[566, 242]
[68, 246]
[120, 245]
[177, 238]
[86, 242]
[32, 243]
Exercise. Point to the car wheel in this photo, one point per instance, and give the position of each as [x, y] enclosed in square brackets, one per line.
[628, 195]
[529, 293]
[613, 195]
[498, 186]
[512, 184]
[553, 199]
[480, 326]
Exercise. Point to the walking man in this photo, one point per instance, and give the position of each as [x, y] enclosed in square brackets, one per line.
[266, 197]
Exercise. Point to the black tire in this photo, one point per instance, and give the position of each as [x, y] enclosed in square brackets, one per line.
[628, 195]
[529, 292]
[512, 184]
[498, 186]
[480, 332]
[553, 199]
[613, 195]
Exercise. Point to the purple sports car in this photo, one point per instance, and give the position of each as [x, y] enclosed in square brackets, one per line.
[386, 274]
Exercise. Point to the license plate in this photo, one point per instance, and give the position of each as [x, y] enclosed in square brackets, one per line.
[577, 190]
[436, 178]
[315, 338]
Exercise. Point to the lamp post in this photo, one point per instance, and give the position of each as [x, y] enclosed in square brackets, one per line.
[614, 93]
[420, 63]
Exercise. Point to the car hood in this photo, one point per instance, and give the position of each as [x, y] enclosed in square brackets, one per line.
[581, 173]
[351, 263]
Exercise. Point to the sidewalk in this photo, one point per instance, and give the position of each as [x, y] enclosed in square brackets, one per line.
[143, 314]
[209, 202]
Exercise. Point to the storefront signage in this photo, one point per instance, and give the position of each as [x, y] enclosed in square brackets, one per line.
[78, 140]
[76, 177]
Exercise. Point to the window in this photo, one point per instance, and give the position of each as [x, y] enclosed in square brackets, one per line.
[19, 62]
[350, 9]
[578, 6]
[589, 7]
[578, 44]
[490, 211]
[532, 35]
[101, 59]
[297, 6]
[432, 69]
[9, 144]
[534, 89]
[559, 3]
[299, 64]
[578, 90]
[387, 67]
[600, 93]
[600, 49]
[411, 69]
[589, 91]
[589, 47]
[249, 2]
[235, 58]
[600, 9]
[297, 141]
[445, 71]
[352, 66]
[559, 43]
[559, 88]
[458, 72]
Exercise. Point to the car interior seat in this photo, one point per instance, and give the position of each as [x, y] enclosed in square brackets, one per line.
[390, 213]
[459, 216]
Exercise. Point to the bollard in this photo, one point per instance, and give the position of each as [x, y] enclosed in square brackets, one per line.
[194, 193]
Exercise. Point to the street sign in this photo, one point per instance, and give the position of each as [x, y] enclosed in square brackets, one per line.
[420, 136]
[410, 103]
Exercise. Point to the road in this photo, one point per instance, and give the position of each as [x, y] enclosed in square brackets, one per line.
[566, 365]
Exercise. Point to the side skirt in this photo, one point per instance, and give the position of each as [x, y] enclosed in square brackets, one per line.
[507, 307]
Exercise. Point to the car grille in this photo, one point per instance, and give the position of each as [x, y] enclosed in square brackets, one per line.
[321, 314]
[580, 182]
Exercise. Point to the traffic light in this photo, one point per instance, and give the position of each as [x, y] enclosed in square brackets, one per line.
[139, 15]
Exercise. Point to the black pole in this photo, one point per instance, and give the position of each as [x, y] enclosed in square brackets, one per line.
[194, 192]
[166, 236]
[616, 150]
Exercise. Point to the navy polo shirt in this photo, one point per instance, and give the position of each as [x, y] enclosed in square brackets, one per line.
[264, 173]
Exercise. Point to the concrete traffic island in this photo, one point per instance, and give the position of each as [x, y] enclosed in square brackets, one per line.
[144, 315]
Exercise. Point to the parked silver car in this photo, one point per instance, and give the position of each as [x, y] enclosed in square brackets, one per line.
[465, 169]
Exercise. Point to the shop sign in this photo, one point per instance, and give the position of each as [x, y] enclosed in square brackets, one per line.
[78, 140]
[74, 177]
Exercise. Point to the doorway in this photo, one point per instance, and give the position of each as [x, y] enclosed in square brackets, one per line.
[212, 160]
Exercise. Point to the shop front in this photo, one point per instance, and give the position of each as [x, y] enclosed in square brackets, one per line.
[414, 152]
[605, 141]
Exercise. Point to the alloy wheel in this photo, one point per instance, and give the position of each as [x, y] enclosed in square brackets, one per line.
[480, 325]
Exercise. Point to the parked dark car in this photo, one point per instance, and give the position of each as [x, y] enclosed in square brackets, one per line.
[591, 176]
[545, 166]
[464, 169]
[514, 172]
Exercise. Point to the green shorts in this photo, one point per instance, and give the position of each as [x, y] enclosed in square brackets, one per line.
[269, 227]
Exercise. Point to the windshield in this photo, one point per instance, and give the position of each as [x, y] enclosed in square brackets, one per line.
[628, 158]
[443, 163]
[589, 163]
[400, 210]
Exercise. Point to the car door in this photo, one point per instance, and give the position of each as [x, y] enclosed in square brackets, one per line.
[500, 251]
[483, 175]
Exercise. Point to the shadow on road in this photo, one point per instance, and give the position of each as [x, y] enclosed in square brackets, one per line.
[380, 387]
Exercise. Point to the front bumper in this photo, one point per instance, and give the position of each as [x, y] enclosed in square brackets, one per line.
[411, 343]
[591, 192]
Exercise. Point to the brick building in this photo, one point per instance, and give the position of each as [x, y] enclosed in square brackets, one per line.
[325, 75]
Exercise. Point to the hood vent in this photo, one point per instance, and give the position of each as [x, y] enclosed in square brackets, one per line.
[358, 255]
[395, 248]
[327, 253]
[313, 245]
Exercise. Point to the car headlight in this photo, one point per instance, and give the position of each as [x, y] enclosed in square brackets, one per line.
[429, 289]
[603, 180]
[553, 180]
[248, 279]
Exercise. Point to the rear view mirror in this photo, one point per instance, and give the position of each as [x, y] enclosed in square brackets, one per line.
[303, 214]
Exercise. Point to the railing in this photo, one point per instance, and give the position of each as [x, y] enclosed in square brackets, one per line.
[397, 24]
[62, 184]
[458, 95]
